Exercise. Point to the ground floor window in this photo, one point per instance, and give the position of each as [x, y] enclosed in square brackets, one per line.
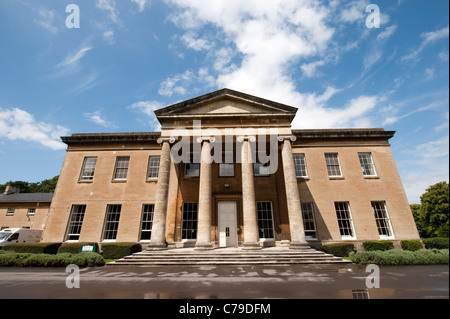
[308, 220]
[382, 219]
[75, 222]
[189, 227]
[111, 222]
[147, 221]
[265, 220]
[344, 219]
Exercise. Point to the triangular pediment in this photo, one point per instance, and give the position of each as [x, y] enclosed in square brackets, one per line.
[226, 102]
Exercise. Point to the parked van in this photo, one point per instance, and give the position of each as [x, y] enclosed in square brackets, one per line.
[19, 235]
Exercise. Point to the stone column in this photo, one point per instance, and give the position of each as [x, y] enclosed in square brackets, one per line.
[205, 197]
[296, 227]
[158, 239]
[251, 235]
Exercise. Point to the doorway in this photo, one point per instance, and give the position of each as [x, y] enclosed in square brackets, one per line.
[227, 215]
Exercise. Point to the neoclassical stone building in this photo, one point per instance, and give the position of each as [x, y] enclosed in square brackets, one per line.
[228, 170]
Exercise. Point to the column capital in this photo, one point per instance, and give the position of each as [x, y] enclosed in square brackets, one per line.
[282, 138]
[201, 139]
[170, 140]
[249, 138]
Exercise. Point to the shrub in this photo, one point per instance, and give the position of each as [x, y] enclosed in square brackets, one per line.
[339, 249]
[411, 244]
[33, 248]
[378, 245]
[46, 260]
[119, 250]
[401, 257]
[74, 248]
[436, 242]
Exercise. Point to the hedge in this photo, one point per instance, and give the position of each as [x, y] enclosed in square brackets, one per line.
[119, 250]
[8, 258]
[33, 248]
[74, 248]
[338, 249]
[411, 244]
[378, 245]
[401, 257]
[436, 242]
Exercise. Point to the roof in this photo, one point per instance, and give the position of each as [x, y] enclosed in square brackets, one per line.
[343, 133]
[27, 197]
[263, 106]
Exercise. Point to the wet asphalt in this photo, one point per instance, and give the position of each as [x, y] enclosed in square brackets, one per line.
[225, 282]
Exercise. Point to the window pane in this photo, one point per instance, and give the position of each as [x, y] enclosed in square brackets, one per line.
[226, 169]
[153, 167]
[367, 164]
[265, 220]
[192, 169]
[112, 221]
[121, 167]
[75, 222]
[308, 220]
[189, 226]
[382, 219]
[147, 221]
[88, 169]
[300, 165]
[333, 165]
[344, 219]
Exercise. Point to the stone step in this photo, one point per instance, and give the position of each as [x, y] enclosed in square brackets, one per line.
[228, 257]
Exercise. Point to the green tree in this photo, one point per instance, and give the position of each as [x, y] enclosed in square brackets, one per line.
[415, 210]
[45, 186]
[434, 210]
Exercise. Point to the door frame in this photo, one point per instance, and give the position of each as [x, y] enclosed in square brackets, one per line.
[235, 233]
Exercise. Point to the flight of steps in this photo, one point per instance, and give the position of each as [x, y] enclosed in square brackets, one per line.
[265, 256]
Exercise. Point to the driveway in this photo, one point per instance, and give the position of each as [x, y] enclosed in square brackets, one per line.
[225, 282]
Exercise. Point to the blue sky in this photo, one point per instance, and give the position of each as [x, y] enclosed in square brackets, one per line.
[130, 57]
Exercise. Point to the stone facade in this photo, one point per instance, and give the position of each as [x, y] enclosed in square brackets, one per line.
[204, 181]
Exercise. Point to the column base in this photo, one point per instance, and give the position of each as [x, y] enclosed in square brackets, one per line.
[204, 246]
[298, 245]
[251, 246]
[157, 246]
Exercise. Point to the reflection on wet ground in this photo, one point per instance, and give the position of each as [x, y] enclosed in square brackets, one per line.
[225, 282]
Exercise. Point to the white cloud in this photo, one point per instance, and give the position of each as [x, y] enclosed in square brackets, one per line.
[428, 38]
[98, 118]
[435, 148]
[17, 124]
[190, 40]
[147, 108]
[110, 7]
[428, 74]
[309, 69]
[387, 33]
[108, 36]
[73, 58]
[47, 20]
[141, 4]
[170, 87]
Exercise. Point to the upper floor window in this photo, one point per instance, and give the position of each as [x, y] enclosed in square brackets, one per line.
[226, 168]
[367, 166]
[88, 169]
[192, 168]
[333, 166]
[31, 211]
[153, 167]
[121, 170]
[300, 165]
[10, 211]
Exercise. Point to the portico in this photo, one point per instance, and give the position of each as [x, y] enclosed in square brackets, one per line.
[206, 125]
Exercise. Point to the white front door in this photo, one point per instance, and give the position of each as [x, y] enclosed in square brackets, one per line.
[227, 224]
